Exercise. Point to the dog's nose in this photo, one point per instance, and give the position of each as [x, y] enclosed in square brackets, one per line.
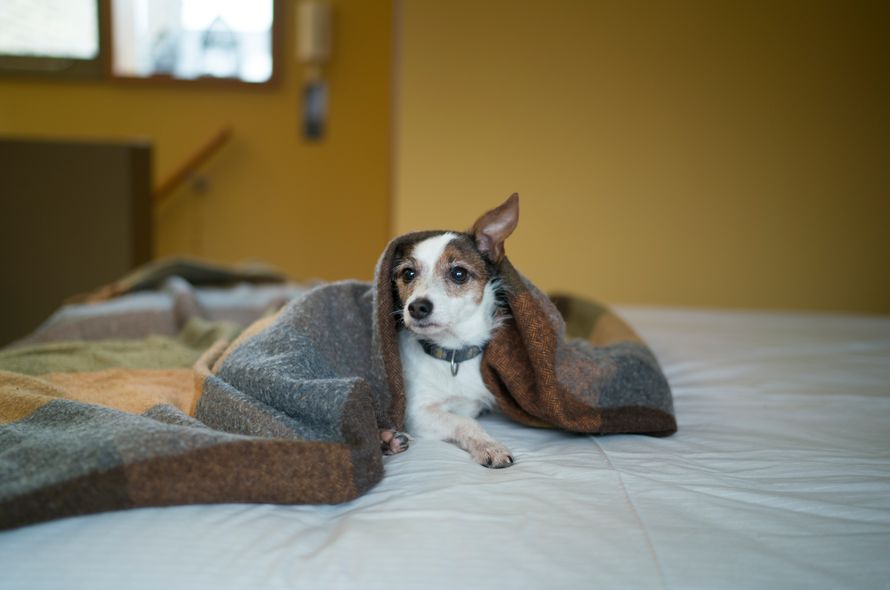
[420, 308]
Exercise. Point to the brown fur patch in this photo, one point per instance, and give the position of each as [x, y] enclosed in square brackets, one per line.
[462, 252]
[403, 262]
[459, 252]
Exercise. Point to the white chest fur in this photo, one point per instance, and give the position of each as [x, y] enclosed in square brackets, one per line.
[429, 384]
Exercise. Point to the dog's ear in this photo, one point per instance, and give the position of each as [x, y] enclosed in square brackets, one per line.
[494, 227]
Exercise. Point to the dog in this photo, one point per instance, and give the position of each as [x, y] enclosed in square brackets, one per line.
[449, 292]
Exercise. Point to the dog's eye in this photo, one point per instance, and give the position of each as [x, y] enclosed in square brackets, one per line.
[408, 275]
[460, 275]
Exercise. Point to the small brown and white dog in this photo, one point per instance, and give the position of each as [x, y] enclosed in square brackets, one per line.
[448, 287]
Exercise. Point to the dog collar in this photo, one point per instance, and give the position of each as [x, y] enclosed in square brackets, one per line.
[452, 355]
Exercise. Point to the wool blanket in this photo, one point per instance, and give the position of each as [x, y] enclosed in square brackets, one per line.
[162, 296]
[289, 411]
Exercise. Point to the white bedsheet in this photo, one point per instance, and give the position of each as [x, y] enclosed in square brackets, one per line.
[779, 477]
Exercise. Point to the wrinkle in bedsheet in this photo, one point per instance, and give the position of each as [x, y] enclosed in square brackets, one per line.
[760, 488]
[636, 513]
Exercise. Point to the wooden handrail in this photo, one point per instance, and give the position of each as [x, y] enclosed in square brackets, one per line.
[190, 166]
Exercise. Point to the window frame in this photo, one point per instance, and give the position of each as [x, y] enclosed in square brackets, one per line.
[100, 67]
[65, 68]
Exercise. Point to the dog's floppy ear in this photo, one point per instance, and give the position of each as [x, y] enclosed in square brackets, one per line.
[494, 227]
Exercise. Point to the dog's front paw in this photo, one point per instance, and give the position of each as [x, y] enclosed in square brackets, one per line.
[491, 454]
[392, 442]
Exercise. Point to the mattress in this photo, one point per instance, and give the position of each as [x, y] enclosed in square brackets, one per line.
[779, 476]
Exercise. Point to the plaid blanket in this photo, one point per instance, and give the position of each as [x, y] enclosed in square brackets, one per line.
[289, 410]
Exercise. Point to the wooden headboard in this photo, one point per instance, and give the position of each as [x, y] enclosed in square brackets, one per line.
[73, 215]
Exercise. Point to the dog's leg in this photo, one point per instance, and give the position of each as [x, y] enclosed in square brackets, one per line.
[465, 432]
[392, 442]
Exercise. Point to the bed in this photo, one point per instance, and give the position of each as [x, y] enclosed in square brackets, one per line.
[779, 476]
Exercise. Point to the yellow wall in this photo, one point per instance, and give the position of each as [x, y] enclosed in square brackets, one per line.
[693, 153]
[314, 210]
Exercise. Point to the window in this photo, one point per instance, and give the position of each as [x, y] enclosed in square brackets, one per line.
[191, 39]
[149, 39]
[58, 37]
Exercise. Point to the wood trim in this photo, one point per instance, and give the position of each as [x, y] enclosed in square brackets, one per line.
[190, 166]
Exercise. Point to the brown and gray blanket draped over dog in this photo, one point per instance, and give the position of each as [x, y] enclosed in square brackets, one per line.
[330, 364]
[289, 412]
